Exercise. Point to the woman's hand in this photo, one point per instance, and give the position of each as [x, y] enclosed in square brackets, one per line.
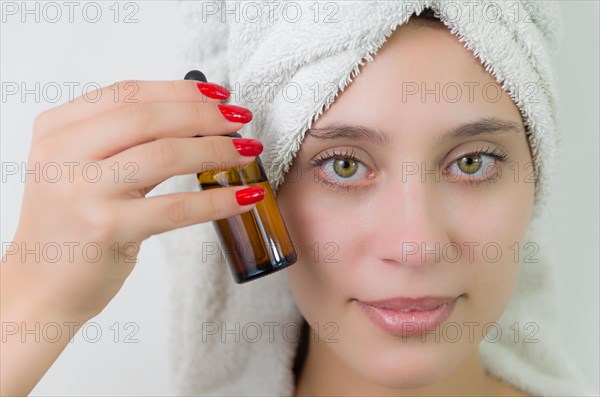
[85, 214]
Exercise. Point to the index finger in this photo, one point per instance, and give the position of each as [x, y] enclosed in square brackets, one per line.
[127, 92]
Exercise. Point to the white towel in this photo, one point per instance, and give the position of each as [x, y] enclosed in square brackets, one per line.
[257, 51]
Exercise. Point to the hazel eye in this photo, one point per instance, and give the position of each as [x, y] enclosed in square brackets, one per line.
[470, 164]
[341, 169]
[474, 166]
[345, 167]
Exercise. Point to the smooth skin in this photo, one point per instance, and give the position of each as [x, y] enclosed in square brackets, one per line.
[380, 207]
[155, 131]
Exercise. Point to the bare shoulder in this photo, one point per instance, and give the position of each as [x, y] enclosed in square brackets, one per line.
[501, 388]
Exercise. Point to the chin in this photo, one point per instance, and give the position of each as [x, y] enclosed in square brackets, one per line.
[400, 363]
[409, 372]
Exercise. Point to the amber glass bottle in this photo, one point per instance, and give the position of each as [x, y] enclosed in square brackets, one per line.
[255, 243]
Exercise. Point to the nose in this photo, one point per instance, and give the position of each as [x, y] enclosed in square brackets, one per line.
[409, 224]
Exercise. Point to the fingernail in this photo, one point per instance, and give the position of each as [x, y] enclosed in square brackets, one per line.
[248, 147]
[250, 195]
[235, 114]
[213, 91]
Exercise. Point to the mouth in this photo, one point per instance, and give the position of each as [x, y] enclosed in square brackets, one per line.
[409, 316]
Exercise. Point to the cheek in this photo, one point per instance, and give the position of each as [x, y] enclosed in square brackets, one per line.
[495, 223]
[322, 238]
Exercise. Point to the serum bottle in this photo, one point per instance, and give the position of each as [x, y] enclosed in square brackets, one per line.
[255, 243]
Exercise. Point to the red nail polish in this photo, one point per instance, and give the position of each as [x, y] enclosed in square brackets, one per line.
[248, 147]
[235, 114]
[250, 195]
[213, 91]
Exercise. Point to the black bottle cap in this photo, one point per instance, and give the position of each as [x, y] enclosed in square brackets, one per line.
[195, 75]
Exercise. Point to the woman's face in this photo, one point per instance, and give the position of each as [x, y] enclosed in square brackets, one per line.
[404, 160]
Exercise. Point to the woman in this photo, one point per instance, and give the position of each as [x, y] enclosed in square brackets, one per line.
[358, 184]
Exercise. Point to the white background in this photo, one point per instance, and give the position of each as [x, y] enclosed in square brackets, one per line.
[105, 52]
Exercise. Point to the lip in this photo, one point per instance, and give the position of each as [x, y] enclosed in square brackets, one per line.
[409, 316]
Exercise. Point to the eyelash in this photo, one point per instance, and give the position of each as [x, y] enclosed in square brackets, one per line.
[349, 155]
[487, 151]
[319, 161]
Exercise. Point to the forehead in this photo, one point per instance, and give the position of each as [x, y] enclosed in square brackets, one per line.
[421, 78]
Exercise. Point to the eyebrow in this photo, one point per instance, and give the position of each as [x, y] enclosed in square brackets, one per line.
[484, 126]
